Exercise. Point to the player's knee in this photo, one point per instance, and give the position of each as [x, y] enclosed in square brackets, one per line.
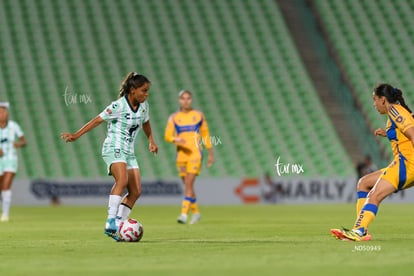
[122, 182]
[363, 184]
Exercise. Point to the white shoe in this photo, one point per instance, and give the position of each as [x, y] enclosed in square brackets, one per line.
[195, 218]
[4, 218]
[182, 219]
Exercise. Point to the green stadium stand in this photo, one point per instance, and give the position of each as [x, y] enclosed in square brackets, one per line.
[374, 41]
[236, 56]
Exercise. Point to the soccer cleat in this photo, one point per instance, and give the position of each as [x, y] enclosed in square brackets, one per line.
[182, 219]
[111, 230]
[4, 218]
[353, 235]
[195, 218]
[337, 233]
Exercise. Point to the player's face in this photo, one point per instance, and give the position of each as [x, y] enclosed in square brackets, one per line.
[185, 101]
[379, 103]
[140, 94]
[3, 114]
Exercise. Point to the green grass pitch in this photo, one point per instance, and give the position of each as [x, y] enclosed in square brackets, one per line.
[230, 240]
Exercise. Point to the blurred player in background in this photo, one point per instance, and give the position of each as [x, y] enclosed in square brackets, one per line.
[188, 130]
[125, 117]
[11, 138]
[399, 175]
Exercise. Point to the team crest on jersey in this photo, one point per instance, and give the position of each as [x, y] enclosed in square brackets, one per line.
[117, 153]
[399, 119]
[194, 118]
[109, 111]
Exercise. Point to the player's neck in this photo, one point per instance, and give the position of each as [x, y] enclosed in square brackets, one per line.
[3, 124]
[134, 104]
[186, 110]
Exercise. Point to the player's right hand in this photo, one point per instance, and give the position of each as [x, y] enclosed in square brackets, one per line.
[179, 141]
[68, 137]
[380, 132]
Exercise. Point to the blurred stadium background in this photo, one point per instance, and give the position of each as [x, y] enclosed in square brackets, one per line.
[289, 79]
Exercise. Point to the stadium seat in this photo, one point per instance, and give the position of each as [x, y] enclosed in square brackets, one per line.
[236, 56]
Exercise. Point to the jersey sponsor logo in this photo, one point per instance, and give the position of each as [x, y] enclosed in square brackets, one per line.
[114, 106]
[129, 117]
[4, 140]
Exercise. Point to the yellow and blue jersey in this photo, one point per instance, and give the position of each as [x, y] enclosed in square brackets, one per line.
[400, 173]
[190, 126]
[399, 120]
[193, 128]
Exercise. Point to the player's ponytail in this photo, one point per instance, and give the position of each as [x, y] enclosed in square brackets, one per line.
[392, 94]
[134, 80]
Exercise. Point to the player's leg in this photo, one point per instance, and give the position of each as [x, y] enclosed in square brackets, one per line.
[190, 180]
[193, 170]
[6, 194]
[378, 193]
[134, 192]
[119, 172]
[181, 164]
[365, 185]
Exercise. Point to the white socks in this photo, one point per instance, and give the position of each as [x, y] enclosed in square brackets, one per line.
[123, 213]
[6, 201]
[113, 204]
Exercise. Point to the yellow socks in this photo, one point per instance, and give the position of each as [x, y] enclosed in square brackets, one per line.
[194, 207]
[365, 217]
[189, 203]
[185, 207]
[361, 198]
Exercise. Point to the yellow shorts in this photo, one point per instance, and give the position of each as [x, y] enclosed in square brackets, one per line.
[400, 173]
[188, 163]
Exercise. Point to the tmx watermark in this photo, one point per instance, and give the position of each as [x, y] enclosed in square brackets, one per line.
[288, 168]
[75, 98]
[204, 140]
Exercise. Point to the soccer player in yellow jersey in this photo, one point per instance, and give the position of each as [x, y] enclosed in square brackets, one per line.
[399, 175]
[188, 130]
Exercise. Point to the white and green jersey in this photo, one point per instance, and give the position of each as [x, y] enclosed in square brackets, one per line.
[8, 135]
[123, 124]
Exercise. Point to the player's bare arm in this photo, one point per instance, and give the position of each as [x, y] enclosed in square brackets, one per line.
[72, 137]
[410, 134]
[148, 132]
[210, 160]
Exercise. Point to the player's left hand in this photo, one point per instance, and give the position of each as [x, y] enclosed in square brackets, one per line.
[68, 137]
[210, 160]
[153, 147]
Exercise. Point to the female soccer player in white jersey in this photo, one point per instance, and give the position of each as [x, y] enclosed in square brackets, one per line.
[9, 131]
[125, 117]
